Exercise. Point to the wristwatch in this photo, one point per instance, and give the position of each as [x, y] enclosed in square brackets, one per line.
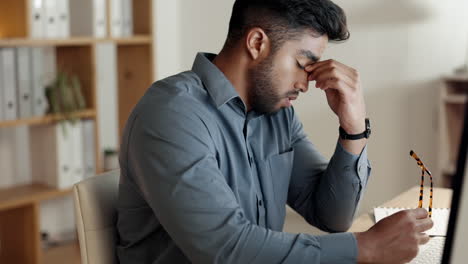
[365, 134]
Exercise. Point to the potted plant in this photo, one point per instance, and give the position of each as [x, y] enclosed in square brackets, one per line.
[65, 97]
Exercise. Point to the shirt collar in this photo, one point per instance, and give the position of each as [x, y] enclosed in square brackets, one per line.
[218, 86]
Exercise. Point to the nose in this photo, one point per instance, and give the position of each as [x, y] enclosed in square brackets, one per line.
[302, 86]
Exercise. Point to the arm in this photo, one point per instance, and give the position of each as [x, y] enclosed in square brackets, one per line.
[175, 167]
[325, 193]
[327, 196]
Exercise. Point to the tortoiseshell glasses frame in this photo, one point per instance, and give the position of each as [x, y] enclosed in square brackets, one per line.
[421, 190]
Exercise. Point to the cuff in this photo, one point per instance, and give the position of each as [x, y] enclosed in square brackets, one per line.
[349, 161]
[338, 248]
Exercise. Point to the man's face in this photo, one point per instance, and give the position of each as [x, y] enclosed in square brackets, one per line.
[279, 78]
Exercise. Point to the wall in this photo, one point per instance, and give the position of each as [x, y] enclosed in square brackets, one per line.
[401, 49]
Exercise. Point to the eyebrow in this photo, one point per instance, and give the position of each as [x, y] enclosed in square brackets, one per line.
[309, 54]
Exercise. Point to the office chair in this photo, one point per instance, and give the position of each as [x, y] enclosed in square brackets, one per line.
[95, 199]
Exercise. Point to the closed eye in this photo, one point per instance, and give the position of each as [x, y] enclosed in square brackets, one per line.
[300, 66]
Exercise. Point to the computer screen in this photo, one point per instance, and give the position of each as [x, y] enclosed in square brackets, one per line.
[455, 250]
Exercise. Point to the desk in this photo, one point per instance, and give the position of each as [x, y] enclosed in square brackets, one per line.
[408, 199]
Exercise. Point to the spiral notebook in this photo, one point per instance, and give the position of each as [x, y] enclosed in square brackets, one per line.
[440, 216]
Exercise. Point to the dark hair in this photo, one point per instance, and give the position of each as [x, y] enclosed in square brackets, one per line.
[287, 19]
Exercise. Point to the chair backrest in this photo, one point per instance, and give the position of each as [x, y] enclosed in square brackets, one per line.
[96, 216]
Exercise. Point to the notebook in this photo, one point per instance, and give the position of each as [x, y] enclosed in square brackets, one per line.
[440, 216]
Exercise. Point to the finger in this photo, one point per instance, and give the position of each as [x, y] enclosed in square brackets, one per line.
[349, 69]
[316, 67]
[423, 238]
[336, 74]
[419, 213]
[335, 84]
[424, 224]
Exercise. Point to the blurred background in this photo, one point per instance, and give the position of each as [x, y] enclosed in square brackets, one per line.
[67, 87]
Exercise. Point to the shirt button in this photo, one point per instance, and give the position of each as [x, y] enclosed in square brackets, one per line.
[251, 160]
[260, 203]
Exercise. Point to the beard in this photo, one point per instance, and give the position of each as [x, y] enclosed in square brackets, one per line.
[263, 94]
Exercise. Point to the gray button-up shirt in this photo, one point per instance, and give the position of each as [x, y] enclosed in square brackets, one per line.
[205, 181]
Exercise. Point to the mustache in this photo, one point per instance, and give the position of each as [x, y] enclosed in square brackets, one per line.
[292, 93]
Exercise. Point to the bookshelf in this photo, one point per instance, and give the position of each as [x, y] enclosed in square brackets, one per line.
[20, 239]
[452, 101]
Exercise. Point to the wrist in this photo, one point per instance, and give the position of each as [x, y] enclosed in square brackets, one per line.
[354, 127]
[365, 250]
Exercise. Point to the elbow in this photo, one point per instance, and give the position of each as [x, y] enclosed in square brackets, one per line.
[341, 226]
[332, 224]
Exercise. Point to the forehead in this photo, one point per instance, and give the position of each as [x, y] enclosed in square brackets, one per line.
[306, 44]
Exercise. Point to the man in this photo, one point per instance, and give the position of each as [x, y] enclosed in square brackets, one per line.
[210, 157]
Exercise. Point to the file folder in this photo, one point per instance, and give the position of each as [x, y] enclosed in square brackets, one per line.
[23, 74]
[8, 68]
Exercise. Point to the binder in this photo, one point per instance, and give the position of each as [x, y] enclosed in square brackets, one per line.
[116, 13]
[51, 29]
[88, 18]
[127, 6]
[23, 74]
[43, 72]
[6, 158]
[38, 90]
[77, 163]
[100, 18]
[89, 156]
[7, 66]
[63, 16]
[36, 19]
[49, 65]
[107, 95]
[55, 168]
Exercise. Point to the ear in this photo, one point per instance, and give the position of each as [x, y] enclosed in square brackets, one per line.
[257, 44]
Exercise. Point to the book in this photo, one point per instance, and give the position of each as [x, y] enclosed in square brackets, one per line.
[440, 216]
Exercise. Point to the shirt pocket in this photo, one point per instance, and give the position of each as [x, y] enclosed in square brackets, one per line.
[280, 170]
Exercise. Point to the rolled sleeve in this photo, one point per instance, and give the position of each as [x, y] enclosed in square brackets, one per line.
[326, 194]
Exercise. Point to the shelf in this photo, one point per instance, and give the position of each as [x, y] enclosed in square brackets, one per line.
[74, 41]
[456, 99]
[43, 120]
[22, 195]
[135, 40]
[57, 255]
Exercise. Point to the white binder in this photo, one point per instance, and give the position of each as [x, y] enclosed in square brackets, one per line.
[77, 163]
[88, 18]
[49, 65]
[8, 68]
[43, 68]
[36, 19]
[100, 18]
[89, 156]
[116, 13]
[23, 74]
[55, 168]
[127, 6]
[63, 16]
[51, 29]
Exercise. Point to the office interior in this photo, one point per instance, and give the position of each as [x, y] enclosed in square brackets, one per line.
[412, 57]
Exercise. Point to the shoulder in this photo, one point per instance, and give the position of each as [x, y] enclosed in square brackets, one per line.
[172, 105]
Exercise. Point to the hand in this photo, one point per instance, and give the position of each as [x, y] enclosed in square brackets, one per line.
[342, 87]
[394, 239]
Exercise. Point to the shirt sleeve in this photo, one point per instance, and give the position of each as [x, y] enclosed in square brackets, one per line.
[175, 167]
[326, 193]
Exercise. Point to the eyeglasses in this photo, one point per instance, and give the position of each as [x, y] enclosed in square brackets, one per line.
[421, 191]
